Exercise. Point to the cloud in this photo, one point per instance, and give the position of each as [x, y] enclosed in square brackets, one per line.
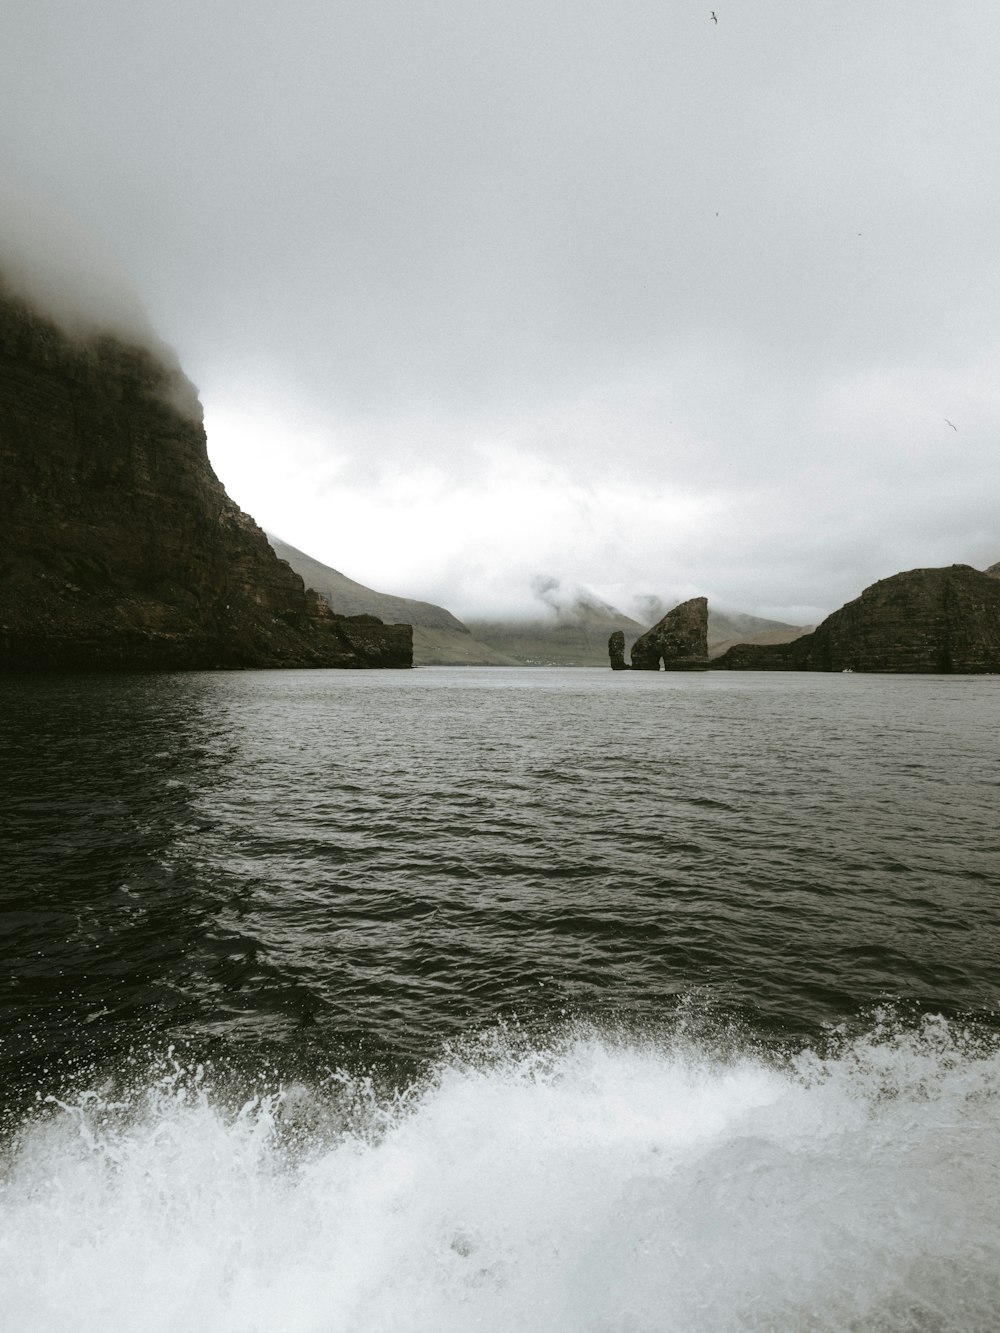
[546, 588]
[656, 306]
[50, 260]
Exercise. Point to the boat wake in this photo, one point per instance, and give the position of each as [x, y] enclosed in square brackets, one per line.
[595, 1184]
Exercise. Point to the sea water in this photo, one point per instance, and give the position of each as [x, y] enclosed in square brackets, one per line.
[500, 999]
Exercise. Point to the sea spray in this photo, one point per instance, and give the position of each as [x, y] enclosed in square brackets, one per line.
[586, 1184]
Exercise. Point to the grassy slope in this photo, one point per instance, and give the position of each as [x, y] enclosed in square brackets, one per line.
[575, 634]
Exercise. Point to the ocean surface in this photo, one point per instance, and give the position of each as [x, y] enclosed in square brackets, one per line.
[499, 999]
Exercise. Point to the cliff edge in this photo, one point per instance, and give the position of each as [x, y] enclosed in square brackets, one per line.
[679, 641]
[924, 620]
[439, 638]
[119, 548]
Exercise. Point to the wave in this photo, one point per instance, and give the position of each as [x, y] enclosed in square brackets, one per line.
[594, 1183]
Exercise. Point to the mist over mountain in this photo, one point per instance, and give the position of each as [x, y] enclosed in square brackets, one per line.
[351, 598]
[721, 624]
[120, 550]
[573, 625]
[439, 638]
[65, 273]
[473, 292]
[573, 605]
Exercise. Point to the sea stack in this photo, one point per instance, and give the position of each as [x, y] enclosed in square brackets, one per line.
[616, 651]
[679, 640]
[119, 547]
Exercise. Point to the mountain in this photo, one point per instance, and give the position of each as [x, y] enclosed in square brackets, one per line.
[439, 638]
[560, 639]
[780, 633]
[119, 548]
[923, 620]
[572, 631]
[575, 632]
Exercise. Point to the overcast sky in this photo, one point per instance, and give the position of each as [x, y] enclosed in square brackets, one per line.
[482, 292]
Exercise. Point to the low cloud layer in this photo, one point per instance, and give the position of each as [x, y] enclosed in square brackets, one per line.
[660, 306]
[67, 273]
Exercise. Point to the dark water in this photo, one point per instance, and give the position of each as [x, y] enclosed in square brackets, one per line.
[486, 982]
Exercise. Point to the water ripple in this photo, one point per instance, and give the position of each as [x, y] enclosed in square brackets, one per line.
[398, 858]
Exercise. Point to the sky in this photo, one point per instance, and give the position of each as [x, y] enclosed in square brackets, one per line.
[482, 295]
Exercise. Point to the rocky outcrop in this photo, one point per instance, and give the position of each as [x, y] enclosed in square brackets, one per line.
[348, 597]
[759, 657]
[679, 640]
[578, 634]
[924, 620]
[779, 634]
[439, 638]
[119, 548]
[616, 650]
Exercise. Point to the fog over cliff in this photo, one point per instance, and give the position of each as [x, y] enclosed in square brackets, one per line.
[67, 272]
[477, 295]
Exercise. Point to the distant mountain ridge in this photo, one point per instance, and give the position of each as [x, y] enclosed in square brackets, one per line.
[439, 638]
[570, 632]
[779, 632]
[573, 630]
[576, 632]
[570, 629]
[351, 598]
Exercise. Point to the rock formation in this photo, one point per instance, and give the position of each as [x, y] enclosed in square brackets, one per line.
[351, 598]
[616, 650]
[679, 640]
[119, 548]
[578, 633]
[570, 628]
[924, 620]
[439, 638]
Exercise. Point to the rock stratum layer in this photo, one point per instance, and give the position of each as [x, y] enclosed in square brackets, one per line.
[119, 548]
[925, 620]
[679, 640]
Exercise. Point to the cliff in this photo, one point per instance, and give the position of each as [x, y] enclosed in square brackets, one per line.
[119, 548]
[924, 620]
[439, 638]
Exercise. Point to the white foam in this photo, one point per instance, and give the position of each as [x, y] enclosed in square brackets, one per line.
[600, 1186]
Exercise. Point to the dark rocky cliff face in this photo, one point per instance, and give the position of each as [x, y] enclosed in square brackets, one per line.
[924, 620]
[351, 598]
[119, 548]
[679, 640]
[616, 650]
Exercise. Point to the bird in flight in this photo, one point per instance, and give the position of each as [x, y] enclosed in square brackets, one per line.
[951, 424]
[712, 17]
